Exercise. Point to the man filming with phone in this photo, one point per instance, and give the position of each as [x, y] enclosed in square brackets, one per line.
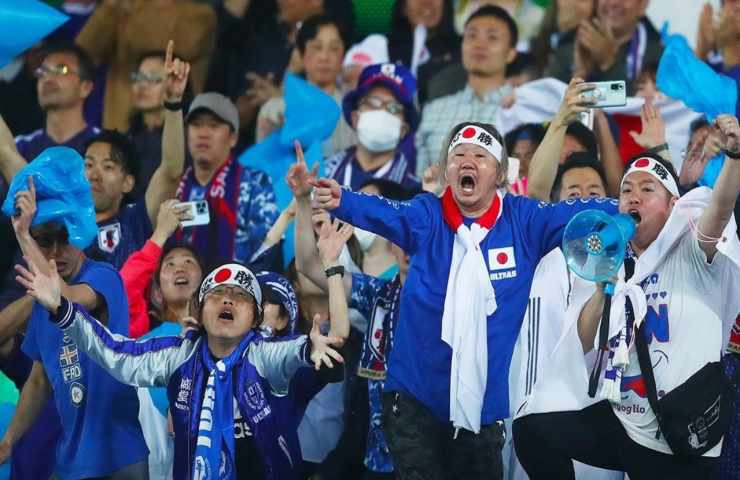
[241, 201]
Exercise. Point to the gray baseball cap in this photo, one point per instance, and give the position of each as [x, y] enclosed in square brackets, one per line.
[217, 104]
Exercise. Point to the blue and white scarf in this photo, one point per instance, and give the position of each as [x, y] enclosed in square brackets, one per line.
[215, 446]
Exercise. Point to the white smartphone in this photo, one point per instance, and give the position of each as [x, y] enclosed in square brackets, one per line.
[200, 212]
[607, 94]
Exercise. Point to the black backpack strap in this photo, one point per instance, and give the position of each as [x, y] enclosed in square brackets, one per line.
[646, 368]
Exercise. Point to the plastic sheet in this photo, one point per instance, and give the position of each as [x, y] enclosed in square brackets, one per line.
[310, 117]
[24, 23]
[63, 193]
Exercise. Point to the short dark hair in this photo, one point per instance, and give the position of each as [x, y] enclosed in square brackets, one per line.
[526, 131]
[577, 160]
[310, 29]
[584, 136]
[665, 163]
[697, 124]
[84, 62]
[391, 190]
[501, 14]
[122, 150]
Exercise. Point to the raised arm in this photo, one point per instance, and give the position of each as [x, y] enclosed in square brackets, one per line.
[10, 160]
[143, 364]
[307, 258]
[544, 165]
[25, 203]
[715, 217]
[403, 223]
[163, 183]
[332, 239]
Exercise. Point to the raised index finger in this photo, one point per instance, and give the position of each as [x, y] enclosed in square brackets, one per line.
[299, 152]
[168, 55]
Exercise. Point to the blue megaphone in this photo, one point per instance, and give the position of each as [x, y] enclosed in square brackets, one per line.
[594, 244]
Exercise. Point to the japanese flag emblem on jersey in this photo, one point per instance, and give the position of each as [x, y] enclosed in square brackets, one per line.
[109, 237]
[501, 259]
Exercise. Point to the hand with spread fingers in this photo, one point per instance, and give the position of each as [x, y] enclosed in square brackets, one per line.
[321, 346]
[653, 127]
[176, 73]
[694, 162]
[45, 289]
[332, 238]
[597, 38]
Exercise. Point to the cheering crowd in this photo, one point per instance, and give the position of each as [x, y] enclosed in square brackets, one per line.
[201, 280]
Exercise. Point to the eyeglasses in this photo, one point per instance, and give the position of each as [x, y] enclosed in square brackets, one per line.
[59, 69]
[47, 240]
[231, 291]
[377, 103]
[150, 78]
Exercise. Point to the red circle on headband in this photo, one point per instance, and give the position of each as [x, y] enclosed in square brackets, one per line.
[468, 132]
[641, 163]
[222, 275]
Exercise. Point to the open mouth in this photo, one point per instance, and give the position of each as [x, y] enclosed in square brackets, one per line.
[179, 281]
[467, 183]
[226, 315]
[635, 216]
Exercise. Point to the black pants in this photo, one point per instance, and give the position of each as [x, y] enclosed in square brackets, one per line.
[423, 448]
[547, 443]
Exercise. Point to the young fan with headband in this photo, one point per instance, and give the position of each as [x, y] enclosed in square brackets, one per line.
[231, 391]
[472, 258]
[674, 303]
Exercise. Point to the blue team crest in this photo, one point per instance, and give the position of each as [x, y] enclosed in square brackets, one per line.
[255, 396]
[109, 236]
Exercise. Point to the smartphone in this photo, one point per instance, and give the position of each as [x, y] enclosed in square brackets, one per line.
[199, 210]
[607, 94]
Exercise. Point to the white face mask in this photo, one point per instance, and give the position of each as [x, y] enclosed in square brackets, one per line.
[364, 238]
[378, 130]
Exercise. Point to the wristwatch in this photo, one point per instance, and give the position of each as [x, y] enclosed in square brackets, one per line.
[335, 270]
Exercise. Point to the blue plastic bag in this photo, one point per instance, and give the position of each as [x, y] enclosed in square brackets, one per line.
[23, 23]
[683, 76]
[63, 193]
[310, 117]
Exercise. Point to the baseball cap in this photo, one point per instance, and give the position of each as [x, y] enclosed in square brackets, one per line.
[217, 104]
[232, 274]
[394, 76]
[278, 290]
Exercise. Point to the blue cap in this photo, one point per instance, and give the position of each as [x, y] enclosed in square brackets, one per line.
[277, 289]
[392, 75]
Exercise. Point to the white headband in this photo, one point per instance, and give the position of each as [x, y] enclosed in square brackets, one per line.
[477, 136]
[232, 274]
[654, 168]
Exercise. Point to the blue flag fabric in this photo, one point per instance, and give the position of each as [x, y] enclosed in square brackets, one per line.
[310, 117]
[62, 193]
[24, 23]
[683, 76]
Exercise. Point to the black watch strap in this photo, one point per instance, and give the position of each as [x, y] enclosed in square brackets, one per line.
[173, 106]
[335, 270]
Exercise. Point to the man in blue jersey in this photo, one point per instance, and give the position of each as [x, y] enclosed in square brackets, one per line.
[91, 405]
[472, 258]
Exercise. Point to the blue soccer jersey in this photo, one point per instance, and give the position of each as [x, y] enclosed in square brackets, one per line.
[99, 415]
[420, 361]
